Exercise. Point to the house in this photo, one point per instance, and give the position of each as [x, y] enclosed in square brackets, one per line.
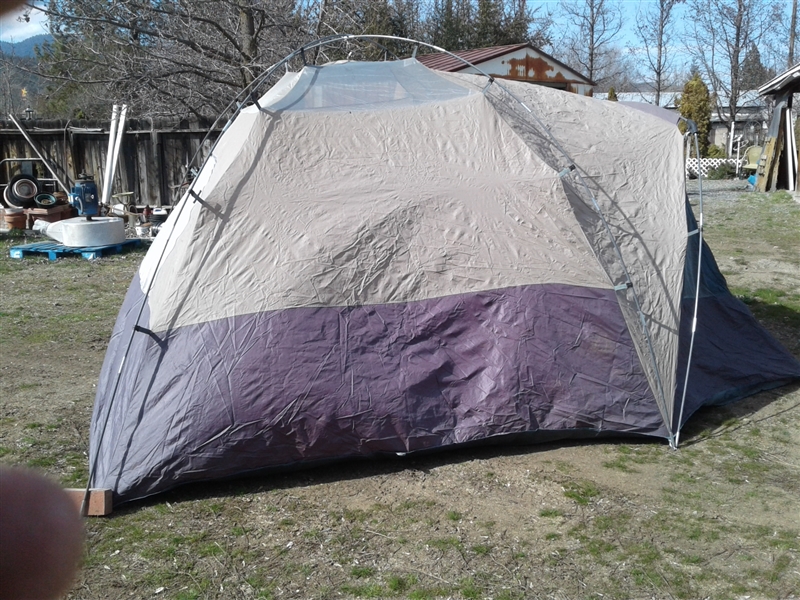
[751, 117]
[519, 62]
[750, 125]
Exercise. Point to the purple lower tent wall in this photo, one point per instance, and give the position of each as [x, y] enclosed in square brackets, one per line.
[306, 385]
[301, 386]
[309, 384]
[733, 356]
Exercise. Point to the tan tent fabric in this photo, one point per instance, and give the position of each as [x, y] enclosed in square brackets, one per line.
[640, 192]
[493, 216]
[452, 186]
[383, 260]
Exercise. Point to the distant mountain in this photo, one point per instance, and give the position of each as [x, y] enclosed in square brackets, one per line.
[25, 47]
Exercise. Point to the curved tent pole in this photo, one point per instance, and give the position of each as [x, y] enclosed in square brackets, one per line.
[249, 92]
[628, 284]
[692, 133]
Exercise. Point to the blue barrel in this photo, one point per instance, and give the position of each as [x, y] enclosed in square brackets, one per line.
[84, 196]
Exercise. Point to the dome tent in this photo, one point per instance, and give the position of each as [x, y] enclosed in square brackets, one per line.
[378, 258]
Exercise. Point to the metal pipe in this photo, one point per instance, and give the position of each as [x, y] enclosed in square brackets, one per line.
[112, 132]
[38, 153]
[117, 144]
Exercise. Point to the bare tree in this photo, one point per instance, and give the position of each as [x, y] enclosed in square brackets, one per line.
[792, 32]
[654, 29]
[401, 18]
[621, 70]
[777, 47]
[588, 41]
[720, 32]
[163, 57]
[191, 57]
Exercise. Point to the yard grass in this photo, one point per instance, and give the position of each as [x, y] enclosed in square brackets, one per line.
[617, 519]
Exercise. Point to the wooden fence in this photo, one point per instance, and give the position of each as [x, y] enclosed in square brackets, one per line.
[153, 160]
[154, 157]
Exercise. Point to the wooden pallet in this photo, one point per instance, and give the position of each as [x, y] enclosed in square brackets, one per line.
[55, 250]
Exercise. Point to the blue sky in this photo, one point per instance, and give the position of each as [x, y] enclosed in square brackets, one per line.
[11, 30]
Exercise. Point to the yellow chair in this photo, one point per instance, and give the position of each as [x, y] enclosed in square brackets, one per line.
[751, 157]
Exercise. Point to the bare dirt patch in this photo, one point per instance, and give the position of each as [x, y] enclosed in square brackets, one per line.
[719, 518]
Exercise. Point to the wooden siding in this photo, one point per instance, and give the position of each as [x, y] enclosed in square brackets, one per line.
[519, 62]
[153, 159]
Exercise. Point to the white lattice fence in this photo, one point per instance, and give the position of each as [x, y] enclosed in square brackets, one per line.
[706, 164]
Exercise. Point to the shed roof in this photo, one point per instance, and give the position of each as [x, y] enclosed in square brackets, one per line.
[788, 81]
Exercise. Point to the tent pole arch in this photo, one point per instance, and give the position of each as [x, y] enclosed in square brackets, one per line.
[250, 93]
[625, 285]
[238, 101]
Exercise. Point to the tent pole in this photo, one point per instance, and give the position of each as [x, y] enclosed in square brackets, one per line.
[94, 460]
[674, 441]
[628, 283]
[238, 102]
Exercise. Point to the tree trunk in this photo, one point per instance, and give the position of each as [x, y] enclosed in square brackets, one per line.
[792, 29]
[318, 29]
[248, 43]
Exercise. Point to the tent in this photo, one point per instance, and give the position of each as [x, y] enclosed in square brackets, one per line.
[381, 259]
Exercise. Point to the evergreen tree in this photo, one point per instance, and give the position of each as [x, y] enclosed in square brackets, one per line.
[695, 105]
[449, 24]
[612, 94]
[466, 24]
[488, 25]
[754, 73]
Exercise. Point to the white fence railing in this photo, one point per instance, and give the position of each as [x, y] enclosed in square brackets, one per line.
[706, 164]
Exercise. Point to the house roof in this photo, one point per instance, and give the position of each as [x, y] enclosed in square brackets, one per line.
[747, 98]
[442, 61]
[750, 105]
[667, 100]
[788, 81]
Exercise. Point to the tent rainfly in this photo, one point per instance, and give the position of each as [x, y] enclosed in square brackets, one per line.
[382, 259]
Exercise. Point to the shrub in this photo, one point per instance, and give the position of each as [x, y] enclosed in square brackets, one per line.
[715, 151]
[723, 171]
[695, 104]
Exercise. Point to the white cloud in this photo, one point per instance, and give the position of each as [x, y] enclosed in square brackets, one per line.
[12, 30]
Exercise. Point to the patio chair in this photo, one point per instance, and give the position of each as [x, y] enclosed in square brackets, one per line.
[751, 157]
